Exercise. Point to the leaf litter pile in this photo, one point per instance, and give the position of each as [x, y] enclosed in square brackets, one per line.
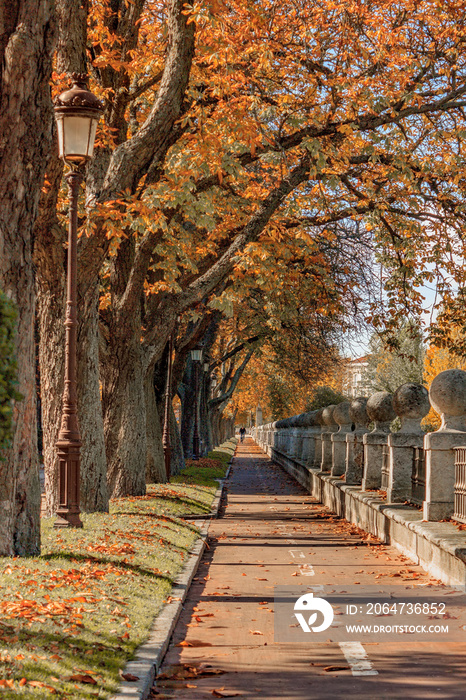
[180, 676]
[71, 618]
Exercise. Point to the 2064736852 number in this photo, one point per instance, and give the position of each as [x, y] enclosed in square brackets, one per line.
[406, 608]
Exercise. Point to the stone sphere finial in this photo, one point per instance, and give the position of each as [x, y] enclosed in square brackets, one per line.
[327, 415]
[358, 412]
[341, 414]
[380, 410]
[411, 404]
[448, 397]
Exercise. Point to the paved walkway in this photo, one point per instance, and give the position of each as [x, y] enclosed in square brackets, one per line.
[272, 532]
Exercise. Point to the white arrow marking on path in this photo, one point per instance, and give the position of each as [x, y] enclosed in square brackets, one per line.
[297, 553]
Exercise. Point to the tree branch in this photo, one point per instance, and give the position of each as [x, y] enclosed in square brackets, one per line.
[215, 403]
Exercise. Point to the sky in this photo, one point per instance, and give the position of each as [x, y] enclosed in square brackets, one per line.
[355, 346]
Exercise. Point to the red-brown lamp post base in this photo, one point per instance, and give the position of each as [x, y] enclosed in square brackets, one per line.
[68, 509]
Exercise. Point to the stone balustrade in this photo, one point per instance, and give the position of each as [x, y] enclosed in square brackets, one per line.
[329, 428]
[354, 462]
[341, 414]
[411, 404]
[353, 441]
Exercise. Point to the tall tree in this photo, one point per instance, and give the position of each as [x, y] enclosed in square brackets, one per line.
[26, 45]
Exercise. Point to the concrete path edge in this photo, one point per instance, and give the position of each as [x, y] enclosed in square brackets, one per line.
[150, 654]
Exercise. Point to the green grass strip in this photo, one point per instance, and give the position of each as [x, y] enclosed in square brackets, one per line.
[71, 618]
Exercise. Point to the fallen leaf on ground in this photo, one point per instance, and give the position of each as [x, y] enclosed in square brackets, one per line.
[220, 693]
[329, 669]
[128, 676]
[256, 632]
[184, 671]
[82, 679]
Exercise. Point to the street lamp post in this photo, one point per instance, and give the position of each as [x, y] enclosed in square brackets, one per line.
[196, 357]
[77, 112]
[166, 418]
[205, 406]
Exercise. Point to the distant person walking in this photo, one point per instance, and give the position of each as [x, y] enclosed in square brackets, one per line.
[242, 433]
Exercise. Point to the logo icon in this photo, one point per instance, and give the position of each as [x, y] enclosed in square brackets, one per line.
[308, 604]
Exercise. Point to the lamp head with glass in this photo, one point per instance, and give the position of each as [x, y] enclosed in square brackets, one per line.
[77, 112]
[196, 354]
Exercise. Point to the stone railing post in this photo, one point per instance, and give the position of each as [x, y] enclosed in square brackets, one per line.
[341, 414]
[283, 442]
[280, 437]
[288, 437]
[411, 404]
[330, 427]
[296, 437]
[354, 441]
[317, 463]
[311, 429]
[380, 410]
[273, 437]
[448, 397]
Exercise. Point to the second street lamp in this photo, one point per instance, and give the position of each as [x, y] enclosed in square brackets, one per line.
[196, 357]
[77, 112]
[166, 418]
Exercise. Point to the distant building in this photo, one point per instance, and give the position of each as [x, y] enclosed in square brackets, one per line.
[355, 382]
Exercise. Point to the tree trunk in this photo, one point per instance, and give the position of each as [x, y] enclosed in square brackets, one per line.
[155, 464]
[50, 313]
[177, 462]
[210, 428]
[188, 407]
[123, 399]
[215, 423]
[204, 415]
[94, 490]
[26, 45]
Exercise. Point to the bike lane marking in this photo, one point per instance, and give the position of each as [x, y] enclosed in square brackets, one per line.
[357, 658]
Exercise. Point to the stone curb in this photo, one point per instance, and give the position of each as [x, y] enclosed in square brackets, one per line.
[150, 654]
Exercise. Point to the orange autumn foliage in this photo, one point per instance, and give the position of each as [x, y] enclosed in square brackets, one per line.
[438, 360]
